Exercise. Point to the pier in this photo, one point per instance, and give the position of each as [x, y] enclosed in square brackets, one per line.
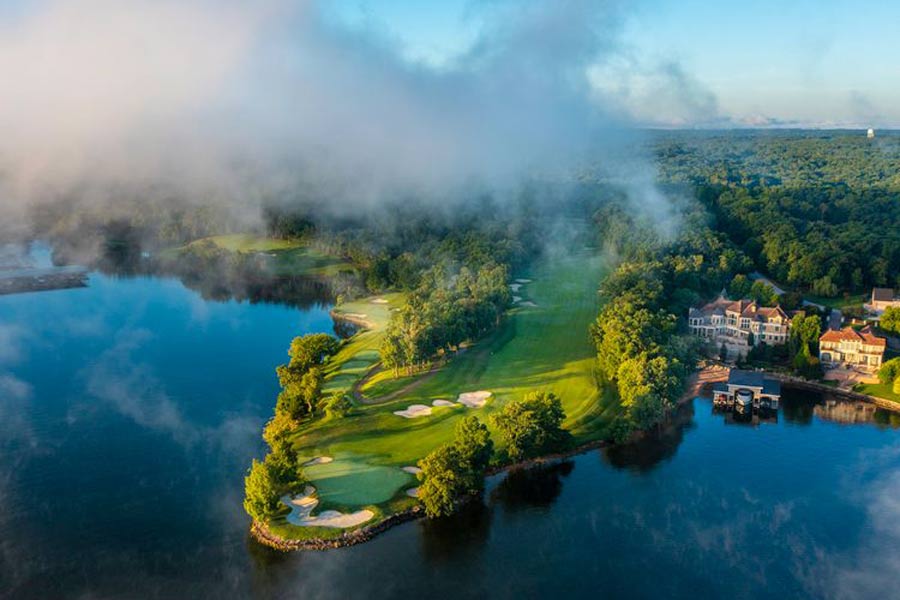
[747, 392]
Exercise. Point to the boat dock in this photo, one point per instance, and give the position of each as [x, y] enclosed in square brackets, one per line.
[747, 392]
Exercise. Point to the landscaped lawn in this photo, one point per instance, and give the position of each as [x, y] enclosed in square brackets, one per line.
[840, 301]
[285, 257]
[359, 353]
[881, 390]
[355, 482]
[546, 347]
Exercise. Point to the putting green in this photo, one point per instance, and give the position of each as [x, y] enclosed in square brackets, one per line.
[349, 481]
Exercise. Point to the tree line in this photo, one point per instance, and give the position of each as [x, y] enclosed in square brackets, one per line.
[449, 307]
[301, 399]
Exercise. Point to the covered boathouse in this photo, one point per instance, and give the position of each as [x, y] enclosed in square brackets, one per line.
[747, 390]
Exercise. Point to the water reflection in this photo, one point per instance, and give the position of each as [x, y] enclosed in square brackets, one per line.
[463, 533]
[657, 446]
[538, 486]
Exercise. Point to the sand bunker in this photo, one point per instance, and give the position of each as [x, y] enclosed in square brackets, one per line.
[333, 518]
[413, 411]
[516, 299]
[413, 492]
[302, 506]
[474, 399]
[528, 303]
[350, 315]
[443, 403]
[515, 286]
[523, 281]
[379, 301]
[412, 470]
[319, 460]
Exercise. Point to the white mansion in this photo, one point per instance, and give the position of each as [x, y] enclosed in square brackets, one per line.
[740, 322]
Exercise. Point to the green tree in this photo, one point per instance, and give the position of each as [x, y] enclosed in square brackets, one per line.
[531, 426]
[455, 469]
[475, 447]
[739, 286]
[442, 481]
[278, 429]
[890, 320]
[338, 406]
[311, 350]
[260, 492]
[889, 371]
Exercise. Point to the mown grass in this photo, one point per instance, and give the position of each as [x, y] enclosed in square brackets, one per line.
[840, 301]
[880, 390]
[352, 481]
[284, 257]
[542, 348]
[360, 353]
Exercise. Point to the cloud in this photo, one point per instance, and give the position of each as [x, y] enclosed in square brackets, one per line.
[132, 388]
[870, 569]
[11, 336]
[240, 102]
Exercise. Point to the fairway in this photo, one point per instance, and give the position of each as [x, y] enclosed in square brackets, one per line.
[282, 257]
[542, 347]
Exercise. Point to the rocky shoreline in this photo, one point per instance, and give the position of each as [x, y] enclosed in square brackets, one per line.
[264, 536]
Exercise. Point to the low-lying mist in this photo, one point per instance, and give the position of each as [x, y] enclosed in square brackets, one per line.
[111, 105]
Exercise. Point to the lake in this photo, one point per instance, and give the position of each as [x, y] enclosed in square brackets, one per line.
[130, 409]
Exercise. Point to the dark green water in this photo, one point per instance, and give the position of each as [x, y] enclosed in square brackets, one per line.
[130, 409]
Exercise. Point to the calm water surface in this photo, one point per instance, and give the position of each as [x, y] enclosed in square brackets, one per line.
[129, 411]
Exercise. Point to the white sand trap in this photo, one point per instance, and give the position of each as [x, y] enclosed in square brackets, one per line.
[515, 286]
[523, 281]
[319, 460]
[443, 403]
[302, 506]
[339, 520]
[528, 303]
[412, 470]
[517, 299]
[379, 301]
[474, 399]
[413, 492]
[356, 315]
[413, 411]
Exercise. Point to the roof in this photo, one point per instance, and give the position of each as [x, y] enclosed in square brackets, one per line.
[747, 378]
[882, 294]
[744, 307]
[755, 379]
[848, 334]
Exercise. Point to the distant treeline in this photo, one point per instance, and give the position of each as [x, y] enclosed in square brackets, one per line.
[820, 211]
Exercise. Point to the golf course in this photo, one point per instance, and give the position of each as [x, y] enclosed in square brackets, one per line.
[365, 459]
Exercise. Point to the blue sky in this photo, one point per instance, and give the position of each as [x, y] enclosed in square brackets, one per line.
[767, 61]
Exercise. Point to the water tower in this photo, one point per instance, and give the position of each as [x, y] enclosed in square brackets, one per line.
[870, 133]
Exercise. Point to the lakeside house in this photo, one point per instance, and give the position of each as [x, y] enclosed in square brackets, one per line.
[747, 390]
[739, 324]
[882, 298]
[850, 348]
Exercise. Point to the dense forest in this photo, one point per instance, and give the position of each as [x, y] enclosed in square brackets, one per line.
[815, 210]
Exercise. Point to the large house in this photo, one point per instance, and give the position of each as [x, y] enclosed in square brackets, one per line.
[850, 348]
[740, 322]
[883, 298]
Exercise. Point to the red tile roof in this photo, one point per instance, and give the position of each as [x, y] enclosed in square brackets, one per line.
[848, 334]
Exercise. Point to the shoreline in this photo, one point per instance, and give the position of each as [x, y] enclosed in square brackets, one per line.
[262, 534]
[710, 373]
